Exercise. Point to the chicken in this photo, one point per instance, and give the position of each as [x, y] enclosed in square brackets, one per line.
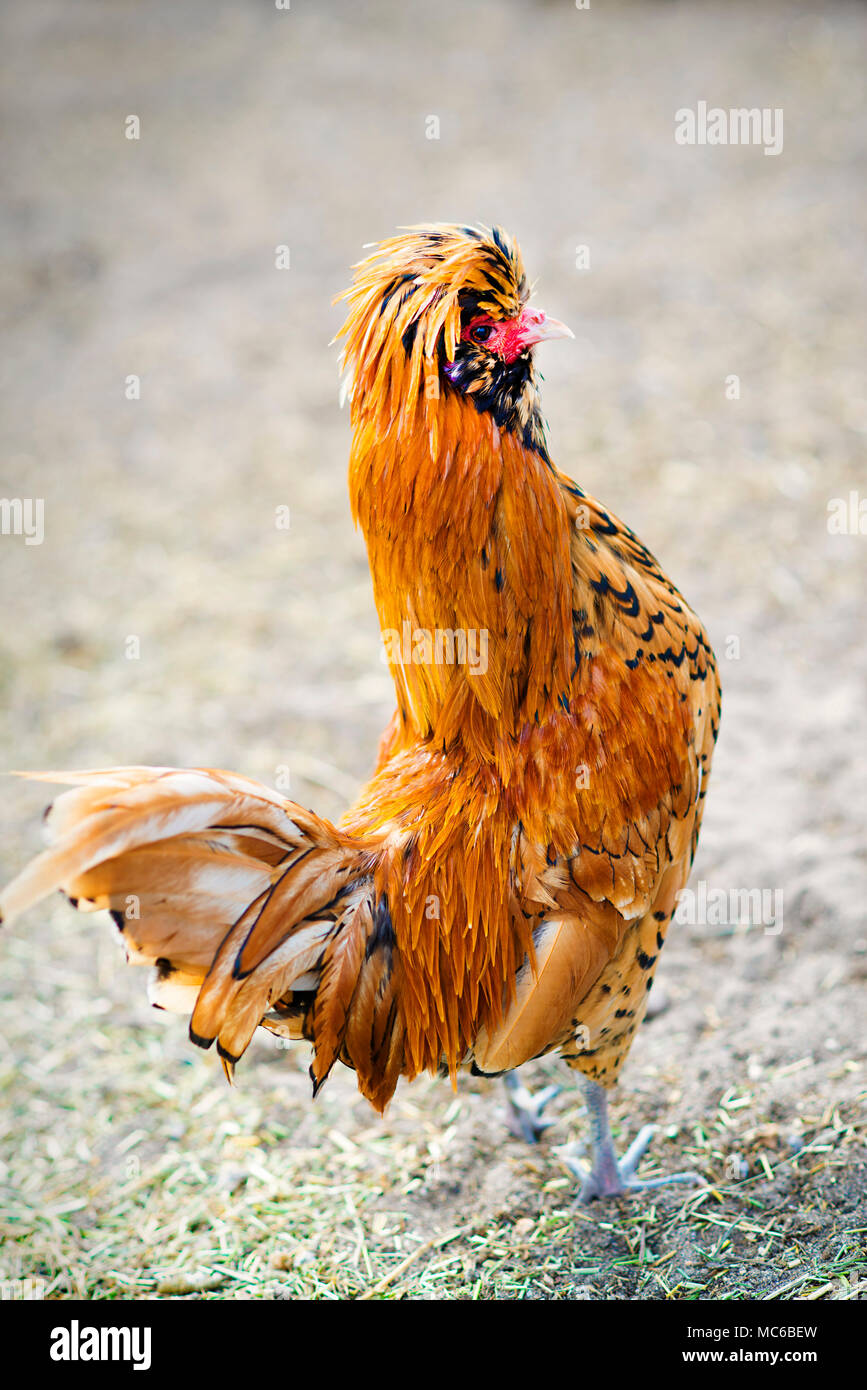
[503, 884]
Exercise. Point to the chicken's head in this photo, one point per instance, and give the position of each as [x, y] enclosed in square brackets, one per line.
[444, 308]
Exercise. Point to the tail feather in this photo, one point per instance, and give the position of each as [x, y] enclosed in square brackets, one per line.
[338, 980]
[175, 898]
[172, 987]
[374, 1030]
[308, 883]
[100, 820]
[249, 909]
[287, 968]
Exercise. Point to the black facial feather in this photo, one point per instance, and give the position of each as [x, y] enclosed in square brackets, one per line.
[507, 390]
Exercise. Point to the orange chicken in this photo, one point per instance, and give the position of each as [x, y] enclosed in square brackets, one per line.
[503, 884]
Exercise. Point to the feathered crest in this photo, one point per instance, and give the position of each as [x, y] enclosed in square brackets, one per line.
[406, 300]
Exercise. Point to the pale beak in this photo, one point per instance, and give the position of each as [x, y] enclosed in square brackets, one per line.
[537, 327]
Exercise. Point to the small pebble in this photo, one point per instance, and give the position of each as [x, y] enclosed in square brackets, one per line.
[736, 1167]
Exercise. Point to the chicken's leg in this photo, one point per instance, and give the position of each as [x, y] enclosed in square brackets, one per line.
[610, 1176]
[526, 1108]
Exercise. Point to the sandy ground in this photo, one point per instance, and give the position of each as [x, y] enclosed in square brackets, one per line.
[127, 1166]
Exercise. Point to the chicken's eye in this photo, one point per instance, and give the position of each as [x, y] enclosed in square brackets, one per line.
[481, 332]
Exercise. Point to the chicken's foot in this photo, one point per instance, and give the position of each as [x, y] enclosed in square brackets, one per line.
[525, 1108]
[609, 1176]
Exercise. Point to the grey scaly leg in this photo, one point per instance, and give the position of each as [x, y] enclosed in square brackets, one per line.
[526, 1107]
[610, 1176]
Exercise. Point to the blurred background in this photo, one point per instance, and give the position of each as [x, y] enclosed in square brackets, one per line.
[166, 618]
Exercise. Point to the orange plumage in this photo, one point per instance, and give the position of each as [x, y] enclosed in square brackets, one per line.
[503, 884]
